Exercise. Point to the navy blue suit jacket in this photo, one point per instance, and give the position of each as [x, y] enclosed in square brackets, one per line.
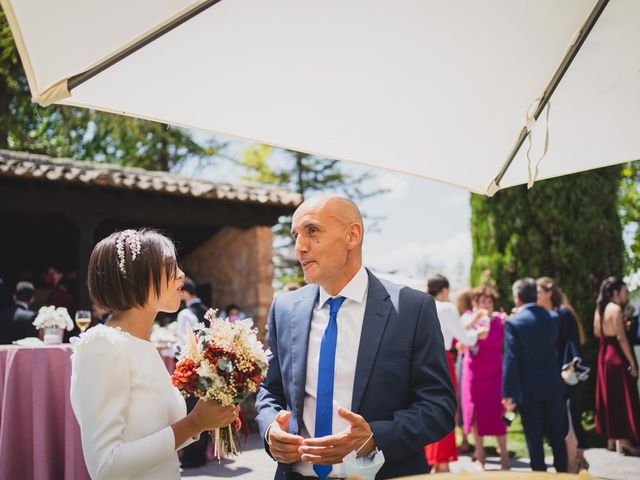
[531, 370]
[402, 384]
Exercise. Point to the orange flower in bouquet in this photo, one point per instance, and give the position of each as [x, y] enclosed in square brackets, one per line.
[224, 362]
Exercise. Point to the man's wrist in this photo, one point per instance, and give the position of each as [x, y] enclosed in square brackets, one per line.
[266, 432]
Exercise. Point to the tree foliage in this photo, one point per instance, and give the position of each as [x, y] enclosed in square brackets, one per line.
[84, 134]
[567, 228]
[629, 203]
[305, 174]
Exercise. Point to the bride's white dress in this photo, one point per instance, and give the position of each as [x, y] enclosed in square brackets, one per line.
[122, 396]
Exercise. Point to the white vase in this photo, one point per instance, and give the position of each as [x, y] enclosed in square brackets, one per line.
[53, 336]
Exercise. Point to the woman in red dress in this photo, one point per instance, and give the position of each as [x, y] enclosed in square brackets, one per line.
[441, 453]
[617, 404]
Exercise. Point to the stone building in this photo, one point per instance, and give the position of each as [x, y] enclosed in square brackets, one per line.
[52, 211]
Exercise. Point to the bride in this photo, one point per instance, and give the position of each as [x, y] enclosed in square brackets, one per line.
[132, 420]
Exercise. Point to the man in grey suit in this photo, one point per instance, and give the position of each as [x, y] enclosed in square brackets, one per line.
[356, 363]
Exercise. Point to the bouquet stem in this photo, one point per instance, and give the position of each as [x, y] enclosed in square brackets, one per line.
[223, 444]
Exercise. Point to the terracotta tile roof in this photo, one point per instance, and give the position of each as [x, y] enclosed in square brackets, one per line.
[41, 167]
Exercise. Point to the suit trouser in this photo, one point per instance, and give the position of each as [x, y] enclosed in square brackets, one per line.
[548, 418]
[196, 453]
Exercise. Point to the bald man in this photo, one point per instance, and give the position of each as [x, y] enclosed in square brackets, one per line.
[356, 363]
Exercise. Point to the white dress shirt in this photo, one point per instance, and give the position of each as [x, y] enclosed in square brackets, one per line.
[452, 326]
[125, 404]
[350, 319]
[185, 317]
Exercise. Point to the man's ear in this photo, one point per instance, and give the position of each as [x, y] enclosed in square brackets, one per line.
[354, 235]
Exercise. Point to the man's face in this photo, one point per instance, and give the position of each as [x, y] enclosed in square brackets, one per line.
[321, 243]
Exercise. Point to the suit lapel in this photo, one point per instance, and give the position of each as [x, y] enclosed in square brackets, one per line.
[376, 316]
[300, 326]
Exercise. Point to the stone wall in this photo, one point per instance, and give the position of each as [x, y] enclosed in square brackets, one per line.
[238, 265]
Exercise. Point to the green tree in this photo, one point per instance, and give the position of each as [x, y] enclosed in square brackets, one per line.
[84, 134]
[305, 174]
[567, 228]
[629, 203]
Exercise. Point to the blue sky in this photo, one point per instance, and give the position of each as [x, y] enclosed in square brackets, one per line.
[425, 229]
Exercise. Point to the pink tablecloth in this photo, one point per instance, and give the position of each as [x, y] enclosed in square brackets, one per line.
[39, 434]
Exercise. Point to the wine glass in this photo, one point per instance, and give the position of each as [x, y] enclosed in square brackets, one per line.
[83, 319]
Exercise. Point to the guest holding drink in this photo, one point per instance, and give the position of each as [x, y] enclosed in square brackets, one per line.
[132, 420]
[464, 305]
[441, 453]
[482, 377]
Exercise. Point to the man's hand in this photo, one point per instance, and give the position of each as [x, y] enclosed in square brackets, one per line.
[508, 404]
[282, 445]
[331, 449]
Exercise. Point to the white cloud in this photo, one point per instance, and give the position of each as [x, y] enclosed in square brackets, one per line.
[398, 185]
[458, 198]
[450, 256]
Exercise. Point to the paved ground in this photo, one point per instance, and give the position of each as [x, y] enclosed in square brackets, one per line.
[254, 464]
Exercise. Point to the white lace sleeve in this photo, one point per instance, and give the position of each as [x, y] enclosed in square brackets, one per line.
[100, 394]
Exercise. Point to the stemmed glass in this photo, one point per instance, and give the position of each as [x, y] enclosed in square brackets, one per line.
[83, 319]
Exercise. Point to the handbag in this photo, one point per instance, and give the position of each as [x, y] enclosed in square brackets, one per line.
[575, 372]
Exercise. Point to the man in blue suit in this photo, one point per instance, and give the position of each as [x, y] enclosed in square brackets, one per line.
[531, 376]
[356, 363]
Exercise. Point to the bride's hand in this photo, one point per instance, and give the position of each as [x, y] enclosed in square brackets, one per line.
[209, 414]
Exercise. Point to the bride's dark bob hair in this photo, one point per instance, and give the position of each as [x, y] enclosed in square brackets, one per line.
[117, 281]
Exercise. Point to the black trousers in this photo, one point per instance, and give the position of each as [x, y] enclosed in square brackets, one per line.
[195, 454]
[575, 410]
[548, 418]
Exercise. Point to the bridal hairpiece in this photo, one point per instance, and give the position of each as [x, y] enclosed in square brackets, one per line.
[131, 238]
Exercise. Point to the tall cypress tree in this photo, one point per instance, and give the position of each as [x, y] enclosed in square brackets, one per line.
[567, 228]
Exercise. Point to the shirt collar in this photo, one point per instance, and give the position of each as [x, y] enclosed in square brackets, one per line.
[526, 305]
[355, 290]
[193, 301]
[22, 304]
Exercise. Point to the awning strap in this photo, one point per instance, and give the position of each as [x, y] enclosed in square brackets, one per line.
[530, 123]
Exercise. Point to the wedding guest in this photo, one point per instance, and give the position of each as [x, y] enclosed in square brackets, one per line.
[531, 376]
[192, 313]
[570, 338]
[617, 405]
[482, 377]
[194, 455]
[16, 321]
[59, 295]
[100, 314]
[630, 321]
[132, 420]
[464, 305]
[233, 312]
[356, 363]
[442, 452]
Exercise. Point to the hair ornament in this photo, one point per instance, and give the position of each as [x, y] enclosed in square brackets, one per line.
[132, 239]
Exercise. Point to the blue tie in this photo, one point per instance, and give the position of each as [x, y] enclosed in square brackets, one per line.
[326, 364]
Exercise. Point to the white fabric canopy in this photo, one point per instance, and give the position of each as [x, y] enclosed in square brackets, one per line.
[434, 88]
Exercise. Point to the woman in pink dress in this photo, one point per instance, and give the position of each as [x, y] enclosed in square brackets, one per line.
[482, 377]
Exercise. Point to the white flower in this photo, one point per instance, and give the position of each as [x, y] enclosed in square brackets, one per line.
[190, 349]
[52, 317]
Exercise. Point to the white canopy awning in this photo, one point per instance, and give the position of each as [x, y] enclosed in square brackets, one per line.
[435, 88]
